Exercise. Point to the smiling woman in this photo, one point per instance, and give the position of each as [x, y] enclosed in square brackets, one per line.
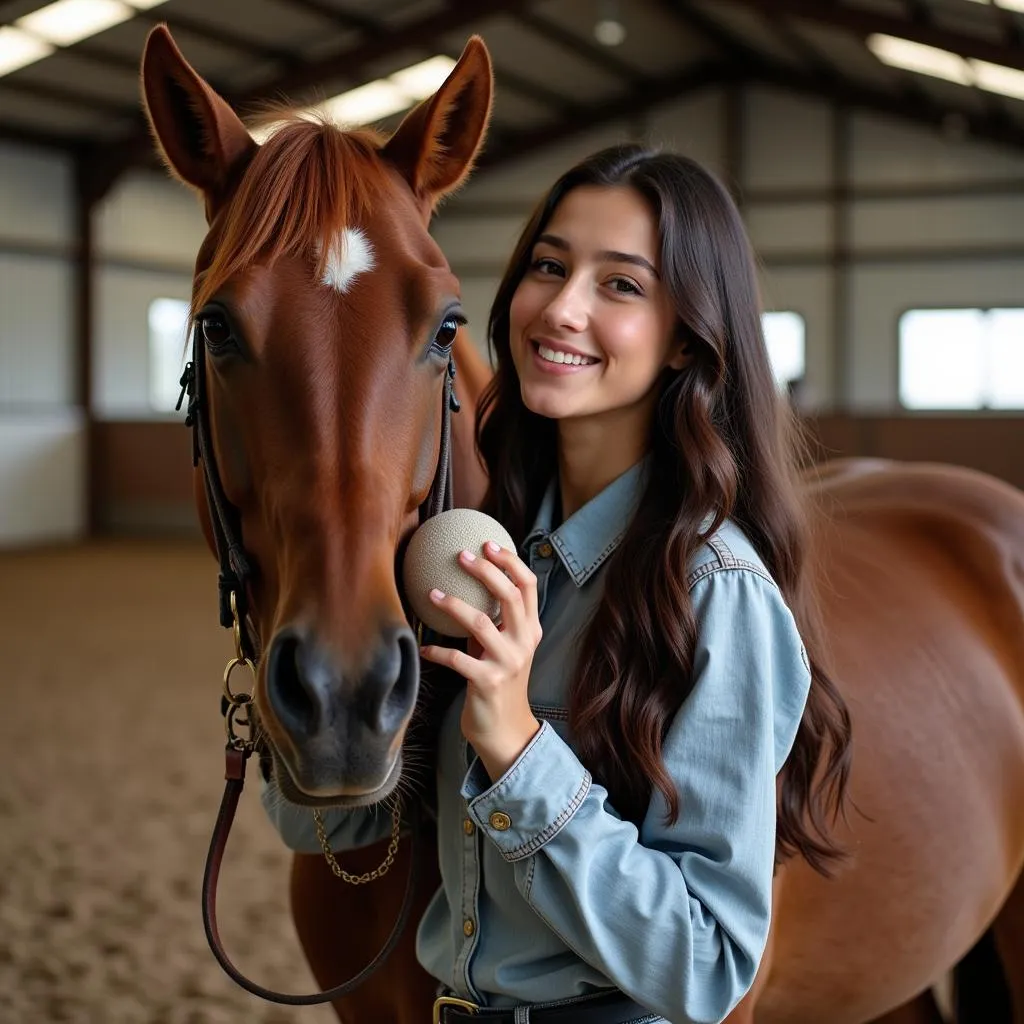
[592, 325]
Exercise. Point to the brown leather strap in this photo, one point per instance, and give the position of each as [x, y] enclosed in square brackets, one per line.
[234, 773]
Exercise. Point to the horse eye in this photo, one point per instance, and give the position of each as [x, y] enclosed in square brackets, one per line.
[445, 336]
[216, 332]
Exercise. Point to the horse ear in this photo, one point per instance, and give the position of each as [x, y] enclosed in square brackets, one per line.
[437, 142]
[200, 137]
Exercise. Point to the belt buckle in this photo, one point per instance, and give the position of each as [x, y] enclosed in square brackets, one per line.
[445, 1001]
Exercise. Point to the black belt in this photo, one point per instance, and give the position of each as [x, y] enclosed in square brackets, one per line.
[600, 1009]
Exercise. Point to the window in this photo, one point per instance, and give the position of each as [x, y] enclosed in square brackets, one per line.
[168, 324]
[785, 335]
[962, 359]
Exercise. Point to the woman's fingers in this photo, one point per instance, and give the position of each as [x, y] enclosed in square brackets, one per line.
[477, 623]
[501, 587]
[515, 569]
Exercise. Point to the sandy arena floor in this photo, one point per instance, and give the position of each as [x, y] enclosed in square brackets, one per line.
[112, 760]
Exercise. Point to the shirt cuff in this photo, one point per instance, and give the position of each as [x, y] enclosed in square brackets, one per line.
[533, 800]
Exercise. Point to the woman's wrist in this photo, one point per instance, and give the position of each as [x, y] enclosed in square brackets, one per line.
[499, 753]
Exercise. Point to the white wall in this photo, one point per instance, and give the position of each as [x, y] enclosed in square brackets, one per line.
[148, 231]
[42, 443]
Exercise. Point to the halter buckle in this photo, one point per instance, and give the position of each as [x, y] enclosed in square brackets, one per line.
[445, 1001]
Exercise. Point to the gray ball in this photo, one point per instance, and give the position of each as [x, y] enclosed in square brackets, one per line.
[432, 560]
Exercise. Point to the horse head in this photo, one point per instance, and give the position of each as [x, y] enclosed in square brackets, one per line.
[326, 316]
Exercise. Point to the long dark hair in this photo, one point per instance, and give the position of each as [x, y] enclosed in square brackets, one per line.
[718, 421]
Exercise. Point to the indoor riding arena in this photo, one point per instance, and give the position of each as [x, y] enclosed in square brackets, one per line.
[876, 153]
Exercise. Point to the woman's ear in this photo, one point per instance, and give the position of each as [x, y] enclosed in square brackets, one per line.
[681, 349]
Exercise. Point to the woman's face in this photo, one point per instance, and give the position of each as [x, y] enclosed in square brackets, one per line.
[591, 325]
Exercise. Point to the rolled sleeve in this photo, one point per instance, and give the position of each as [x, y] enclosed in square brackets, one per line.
[533, 800]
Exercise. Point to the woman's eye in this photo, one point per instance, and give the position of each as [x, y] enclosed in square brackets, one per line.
[624, 286]
[445, 337]
[545, 265]
[216, 332]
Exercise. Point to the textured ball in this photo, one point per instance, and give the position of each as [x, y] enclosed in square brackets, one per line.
[432, 560]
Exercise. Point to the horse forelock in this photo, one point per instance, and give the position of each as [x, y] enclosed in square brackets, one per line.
[308, 187]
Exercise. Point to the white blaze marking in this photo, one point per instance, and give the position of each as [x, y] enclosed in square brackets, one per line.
[351, 255]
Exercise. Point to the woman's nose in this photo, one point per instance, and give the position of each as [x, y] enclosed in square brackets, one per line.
[568, 309]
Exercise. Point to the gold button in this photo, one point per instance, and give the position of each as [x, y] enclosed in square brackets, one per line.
[500, 821]
[468, 927]
[545, 550]
[468, 827]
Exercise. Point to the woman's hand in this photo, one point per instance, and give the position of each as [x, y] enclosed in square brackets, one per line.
[496, 718]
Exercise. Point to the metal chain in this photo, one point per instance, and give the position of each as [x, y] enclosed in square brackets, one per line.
[367, 876]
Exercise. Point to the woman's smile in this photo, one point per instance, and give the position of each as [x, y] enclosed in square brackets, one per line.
[550, 357]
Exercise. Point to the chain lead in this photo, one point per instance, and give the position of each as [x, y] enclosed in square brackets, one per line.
[367, 876]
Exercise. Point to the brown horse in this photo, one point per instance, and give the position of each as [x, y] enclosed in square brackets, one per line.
[326, 312]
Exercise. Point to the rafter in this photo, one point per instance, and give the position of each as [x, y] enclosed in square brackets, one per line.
[865, 22]
[913, 106]
[211, 33]
[45, 140]
[598, 56]
[66, 97]
[345, 19]
[514, 145]
[920, 110]
[351, 61]
[115, 158]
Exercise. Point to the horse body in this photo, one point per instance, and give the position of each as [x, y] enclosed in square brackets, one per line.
[923, 591]
[326, 434]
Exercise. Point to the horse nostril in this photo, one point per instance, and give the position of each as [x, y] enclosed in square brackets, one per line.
[397, 682]
[292, 678]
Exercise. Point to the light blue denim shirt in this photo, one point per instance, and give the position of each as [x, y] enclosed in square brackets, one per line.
[546, 892]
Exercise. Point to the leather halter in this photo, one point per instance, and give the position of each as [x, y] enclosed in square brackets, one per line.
[236, 572]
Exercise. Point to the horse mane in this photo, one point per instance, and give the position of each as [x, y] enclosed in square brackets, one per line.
[308, 180]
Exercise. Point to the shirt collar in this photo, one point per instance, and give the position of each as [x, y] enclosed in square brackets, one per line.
[586, 539]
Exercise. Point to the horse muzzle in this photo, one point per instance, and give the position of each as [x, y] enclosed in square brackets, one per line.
[339, 734]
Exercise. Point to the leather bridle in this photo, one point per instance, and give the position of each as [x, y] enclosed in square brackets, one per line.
[234, 579]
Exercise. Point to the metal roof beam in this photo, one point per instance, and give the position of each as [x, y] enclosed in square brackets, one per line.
[598, 56]
[349, 62]
[864, 22]
[516, 144]
[916, 106]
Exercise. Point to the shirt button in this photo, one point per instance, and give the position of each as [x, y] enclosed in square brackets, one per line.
[545, 550]
[468, 927]
[500, 821]
[468, 827]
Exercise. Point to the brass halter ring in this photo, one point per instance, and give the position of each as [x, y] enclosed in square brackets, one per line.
[237, 701]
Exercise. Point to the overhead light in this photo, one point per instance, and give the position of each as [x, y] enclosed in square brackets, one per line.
[18, 48]
[378, 99]
[997, 78]
[63, 23]
[1007, 5]
[66, 22]
[929, 60]
[369, 102]
[926, 60]
[423, 79]
[609, 29]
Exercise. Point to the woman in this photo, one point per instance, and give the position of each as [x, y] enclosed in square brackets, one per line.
[607, 781]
